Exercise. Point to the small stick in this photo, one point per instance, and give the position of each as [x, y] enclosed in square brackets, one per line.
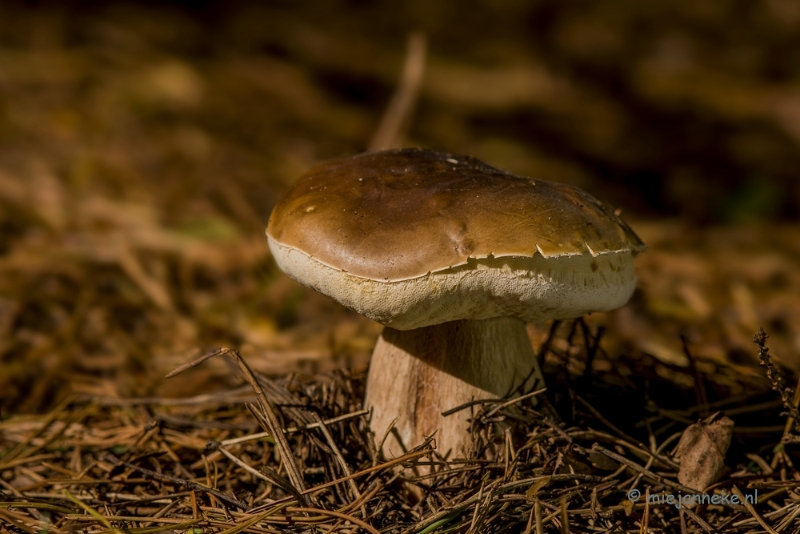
[292, 430]
[339, 515]
[564, 515]
[530, 520]
[276, 480]
[708, 528]
[476, 512]
[537, 512]
[469, 404]
[786, 393]
[92, 512]
[338, 455]
[592, 344]
[503, 403]
[636, 467]
[682, 516]
[515, 400]
[643, 529]
[701, 398]
[791, 422]
[195, 510]
[752, 510]
[402, 104]
[187, 484]
[545, 347]
[499, 490]
[197, 361]
[399, 460]
[270, 420]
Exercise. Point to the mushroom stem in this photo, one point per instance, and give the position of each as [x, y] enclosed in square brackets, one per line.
[415, 375]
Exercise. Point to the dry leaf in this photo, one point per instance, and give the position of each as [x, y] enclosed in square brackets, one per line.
[701, 451]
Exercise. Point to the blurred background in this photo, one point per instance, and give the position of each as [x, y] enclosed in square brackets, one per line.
[142, 146]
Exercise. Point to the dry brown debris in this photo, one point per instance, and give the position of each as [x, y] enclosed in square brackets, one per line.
[202, 464]
[141, 154]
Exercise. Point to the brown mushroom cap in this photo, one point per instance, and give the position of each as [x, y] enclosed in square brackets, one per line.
[397, 217]
[400, 214]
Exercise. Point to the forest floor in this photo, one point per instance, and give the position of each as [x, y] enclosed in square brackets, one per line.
[137, 170]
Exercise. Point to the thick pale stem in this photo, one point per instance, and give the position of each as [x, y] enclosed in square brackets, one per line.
[415, 375]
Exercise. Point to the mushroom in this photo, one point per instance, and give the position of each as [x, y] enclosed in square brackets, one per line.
[453, 257]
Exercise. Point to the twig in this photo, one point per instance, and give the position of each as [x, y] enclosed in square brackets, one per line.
[401, 106]
[699, 520]
[592, 344]
[537, 512]
[264, 474]
[319, 511]
[643, 529]
[92, 512]
[636, 467]
[545, 347]
[474, 523]
[338, 455]
[699, 386]
[752, 510]
[564, 515]
[270, 421]
[499, 490]
[185, 483]
[787, 394]
[503, 403]
[292, 430]
[513, 401]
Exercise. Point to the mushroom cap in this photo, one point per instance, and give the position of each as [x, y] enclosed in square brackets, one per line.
[414, 237]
